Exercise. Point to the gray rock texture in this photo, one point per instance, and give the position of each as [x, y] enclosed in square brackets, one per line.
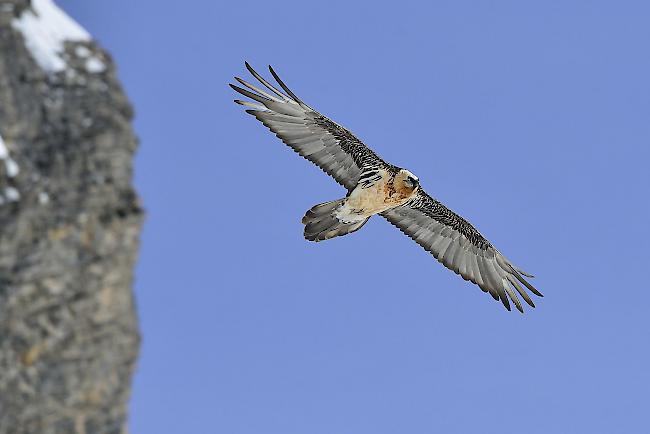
[69, 228]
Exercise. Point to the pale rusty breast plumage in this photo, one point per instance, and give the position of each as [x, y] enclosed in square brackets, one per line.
[388, 192]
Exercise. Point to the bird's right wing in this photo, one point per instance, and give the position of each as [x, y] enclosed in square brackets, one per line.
[461, 248]
[323, 142]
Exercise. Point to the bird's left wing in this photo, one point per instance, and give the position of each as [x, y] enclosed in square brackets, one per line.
[320, 140]
[461, 248]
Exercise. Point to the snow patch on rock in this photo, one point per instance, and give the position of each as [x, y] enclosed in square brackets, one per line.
[46, 28]
[11, 166]
[43, 198]
[93, 64]
[12, 194]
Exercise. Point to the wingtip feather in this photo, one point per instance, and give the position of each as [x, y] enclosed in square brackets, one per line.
[523, 273]
[527, 284]
[284, 86]
[265, 82]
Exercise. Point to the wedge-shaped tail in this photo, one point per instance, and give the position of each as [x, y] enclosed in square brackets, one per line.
[321, 222]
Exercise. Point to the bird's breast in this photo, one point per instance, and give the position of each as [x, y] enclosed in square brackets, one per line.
[379, 197]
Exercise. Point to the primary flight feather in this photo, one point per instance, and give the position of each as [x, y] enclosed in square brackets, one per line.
[377, 187]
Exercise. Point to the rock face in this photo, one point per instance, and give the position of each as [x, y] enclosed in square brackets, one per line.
[69, 227]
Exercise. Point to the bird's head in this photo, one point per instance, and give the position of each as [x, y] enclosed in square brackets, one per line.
[406, 181]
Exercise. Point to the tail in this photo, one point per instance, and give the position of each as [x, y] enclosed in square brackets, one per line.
[321, 222]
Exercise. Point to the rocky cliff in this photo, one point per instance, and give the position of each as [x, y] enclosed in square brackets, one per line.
[69, 226]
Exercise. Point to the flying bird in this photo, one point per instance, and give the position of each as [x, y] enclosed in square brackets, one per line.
[377, 187]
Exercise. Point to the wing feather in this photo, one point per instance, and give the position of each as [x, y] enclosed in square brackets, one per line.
[264, 82]
[461, 248]
[257, 89]
[320, 140]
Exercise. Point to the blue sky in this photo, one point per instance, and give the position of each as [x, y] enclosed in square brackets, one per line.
[530, 119]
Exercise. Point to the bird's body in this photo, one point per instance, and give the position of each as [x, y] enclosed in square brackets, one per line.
[387, 189]
[377, 187]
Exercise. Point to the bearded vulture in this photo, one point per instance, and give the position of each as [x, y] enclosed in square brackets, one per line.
[377, 187]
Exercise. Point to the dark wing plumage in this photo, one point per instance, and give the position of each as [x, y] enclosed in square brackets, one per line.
[461, 248]
[325, 143]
